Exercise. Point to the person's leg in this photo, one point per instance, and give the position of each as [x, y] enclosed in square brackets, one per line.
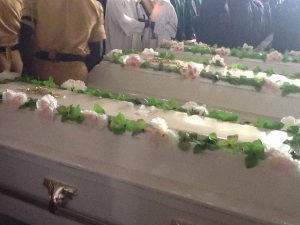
[17, 64]
[4, 63]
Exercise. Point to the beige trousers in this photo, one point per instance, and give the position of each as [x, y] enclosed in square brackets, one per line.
[60, 71]
[11, 61]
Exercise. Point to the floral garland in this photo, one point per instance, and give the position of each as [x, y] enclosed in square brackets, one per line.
[191, 108]
[235, 74]
[246, 51]
[48, 108]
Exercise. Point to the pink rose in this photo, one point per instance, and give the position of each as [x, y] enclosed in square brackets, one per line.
[177, 46]
[223, 52]
[133, 61]
[14, 99]
[191, 70]
[275, 56]
[281, 162]
[46, 106]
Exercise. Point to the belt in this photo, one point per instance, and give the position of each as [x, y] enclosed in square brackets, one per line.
[63, 57]
[11, 48]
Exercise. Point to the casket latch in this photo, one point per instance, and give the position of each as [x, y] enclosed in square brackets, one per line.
[59, 193]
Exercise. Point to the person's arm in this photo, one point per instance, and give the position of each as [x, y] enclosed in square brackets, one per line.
[27, 36]
[129, 25]
[97, 36]
[27, 49]
[95, 56]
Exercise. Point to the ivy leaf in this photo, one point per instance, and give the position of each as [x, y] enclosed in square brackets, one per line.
[293, 129]
[118, 124]
[170, 105]
[136, 126]
[251, 161]
[153, 102]
[184, 145]
[98, 109]
[213, 138]
[62, 110]
[184, 141]
[76, 114]
[223, 116]
[269, 124]
[200, 147]
[31, 104]
[232, 140]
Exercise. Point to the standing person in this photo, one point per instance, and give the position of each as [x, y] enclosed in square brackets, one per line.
[165, 19]
[67, 36]
[122, 26]
[10, 17]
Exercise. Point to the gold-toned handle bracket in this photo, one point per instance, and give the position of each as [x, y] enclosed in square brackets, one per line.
[59, 193]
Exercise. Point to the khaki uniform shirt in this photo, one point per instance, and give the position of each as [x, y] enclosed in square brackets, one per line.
[65, 26]
[10, 17]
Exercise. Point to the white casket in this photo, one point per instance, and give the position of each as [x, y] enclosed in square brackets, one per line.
[130, 181]
[239, 99]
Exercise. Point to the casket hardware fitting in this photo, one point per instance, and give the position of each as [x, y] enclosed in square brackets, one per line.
[59, 193]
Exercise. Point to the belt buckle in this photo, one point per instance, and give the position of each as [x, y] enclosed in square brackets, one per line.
[52, 56]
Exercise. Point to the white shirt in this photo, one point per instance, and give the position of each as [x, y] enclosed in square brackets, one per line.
[123, 29]
[165, 18]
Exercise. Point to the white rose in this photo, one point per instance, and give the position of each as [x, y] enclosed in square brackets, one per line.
[149, 53]
[160, 124]
[8, 95]
[277, 79]
[79, 85]
[246, 46]
[46, 106]
[202, 110]
[76, 85]
[69, 84]
[13, 98]
[290, 121]
[218, 60]
[46, 102]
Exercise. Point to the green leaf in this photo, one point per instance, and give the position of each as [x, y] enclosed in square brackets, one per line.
[31, 104]
[293, 129]
[98, 109]
[136, 126]
[200, 147]
[153, 102]
[251, 161]
[184, 145]
[120, 119]
[213, 138]
[238, 66]
[269, 124]
[118, 124]
[232, 140]
[62, 110]
[170, 105]
[223, 116]
[270, 71]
